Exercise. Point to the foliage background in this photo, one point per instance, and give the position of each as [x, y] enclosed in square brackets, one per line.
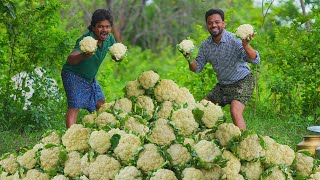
[41, 33]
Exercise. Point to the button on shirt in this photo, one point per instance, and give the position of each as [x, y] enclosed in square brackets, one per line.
[228, 58]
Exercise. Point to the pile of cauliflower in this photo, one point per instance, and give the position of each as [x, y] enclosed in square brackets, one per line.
[244, 31]
[157, 131]
[118, 50]
[88, 44]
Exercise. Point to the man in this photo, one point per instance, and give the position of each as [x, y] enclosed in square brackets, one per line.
[229, 57]
[79, 72]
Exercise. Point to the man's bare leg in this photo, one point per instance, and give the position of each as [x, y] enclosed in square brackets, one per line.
[71, 116]
[236, 110]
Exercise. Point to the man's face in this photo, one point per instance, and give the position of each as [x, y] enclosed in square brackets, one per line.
[102, 29]
[215, 25]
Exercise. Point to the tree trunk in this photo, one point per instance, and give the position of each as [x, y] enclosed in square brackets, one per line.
[303, 7]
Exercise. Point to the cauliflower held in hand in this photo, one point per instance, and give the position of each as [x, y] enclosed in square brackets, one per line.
[118, 50]
[245, 31]
[186, 46]
[88, 44]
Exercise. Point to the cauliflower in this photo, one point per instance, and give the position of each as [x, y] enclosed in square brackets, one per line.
[277, 154]
[76, 138]
[72, 166]
[213, 173]
[184, 96]
[60, 177]
[192, 174]
[104, 167]
[106, 106]
[226, 132]
[212, 114]
[166, 90]
[183, 119]
[28, 159]
[114, 131]
[129, 173]
[179, 154]
[233, 176]
[89, 118]
[134, 125]
[9, 163]
[252, 170]
[303, 164]
[123, 104]
[149, 158]
[51, 137]
[133, 89]
[189, 141]
[233, 164]
[127, 146]
[207, 152]
[33, 174]
[186, 46]
[162, 133]
[165, 109]
[86, 160]
[276, 173]
[205, 134]
[148, 79]
[315, 176]
[100, 141]
[250, 148]
[244, 31]
[118, 50]
[88, 44]
[145, 103]
[105, 119]
[163, 174]
[38, 146]
[49, 158]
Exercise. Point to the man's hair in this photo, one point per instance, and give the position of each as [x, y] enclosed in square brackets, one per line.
[215, 11]
[100, 15]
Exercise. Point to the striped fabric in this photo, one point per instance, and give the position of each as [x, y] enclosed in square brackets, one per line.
[228, 58]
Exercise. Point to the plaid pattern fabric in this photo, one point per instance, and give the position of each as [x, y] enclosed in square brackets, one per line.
[228, 58]
[80, 92]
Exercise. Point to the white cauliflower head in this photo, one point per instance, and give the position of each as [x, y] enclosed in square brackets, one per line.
[162, 133]
[49, 158]
[166, 90]
[148, 79]
[192, 173]
[60, 177]
[33, 174]
[89, 118]
[163, 174]
[51, 137]
[179, 154]
[133, 88]
[184, 120]
[146, 103]
[149, 152]
[134, 125]
[129, 173]
[118, 50]
[127, 147]
[207, 151]
[233, 164]
[106, 106]
[212, 114]
[244, 31]
[123, 104]
[304, 164]
[88, 44]
[105, 119]
[28, 159]
[226, 132]
[184, 96]
[186, 46]
[9, 163]
[76, 138]
[165, 109]
[104, 167]
[250, 148]
[86, 160]
[213, 173]
[100, 141]
[277, 173]
[72, 166]
[252, 170]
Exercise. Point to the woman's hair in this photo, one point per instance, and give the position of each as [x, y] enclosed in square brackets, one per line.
[100, 15]
[214, 11]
